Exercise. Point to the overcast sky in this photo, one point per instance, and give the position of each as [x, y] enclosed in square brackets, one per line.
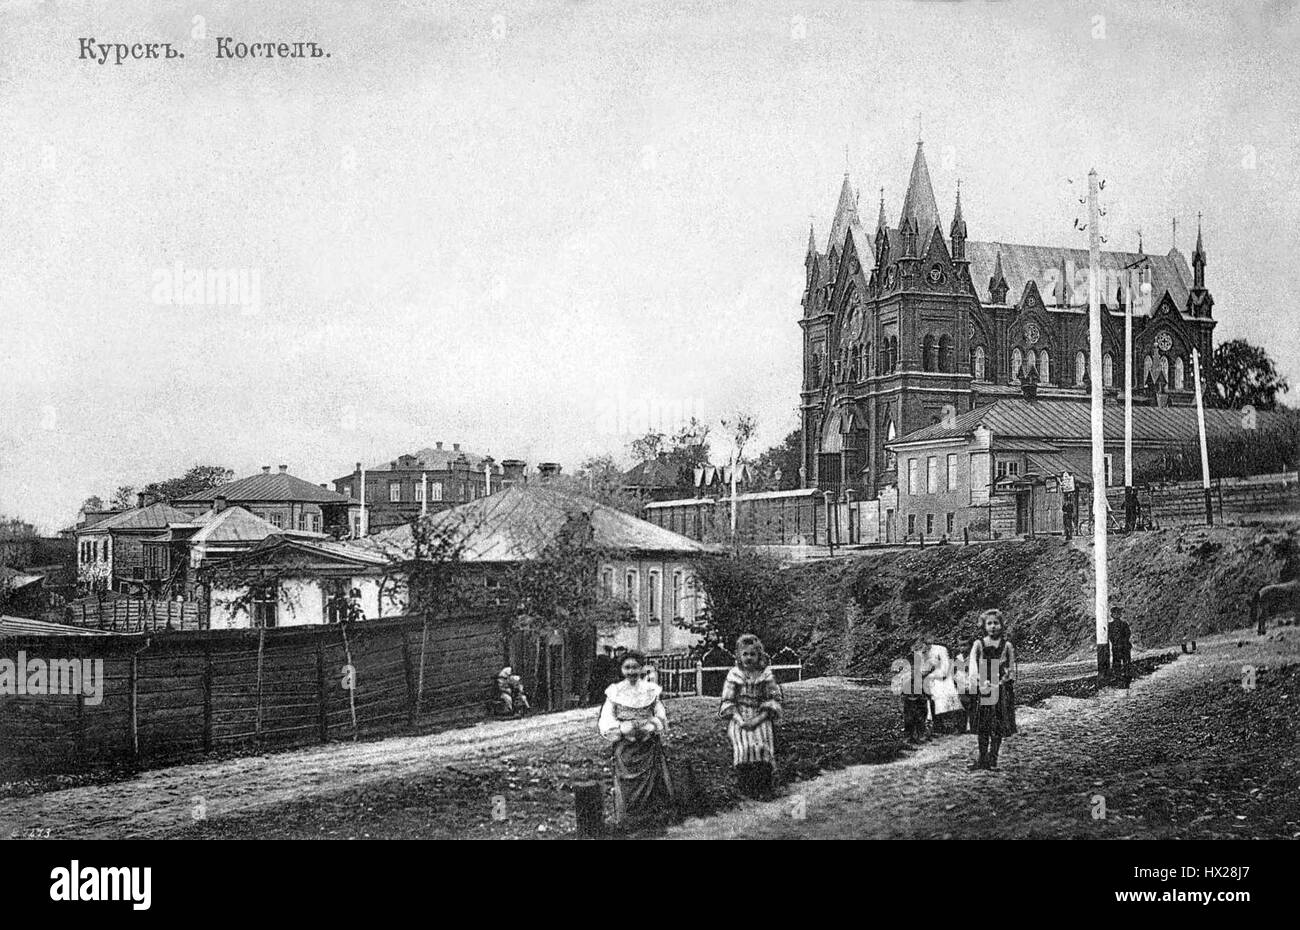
[538, 228]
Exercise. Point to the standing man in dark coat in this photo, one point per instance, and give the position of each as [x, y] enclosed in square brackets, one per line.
[1067, 516]
[1121, 647]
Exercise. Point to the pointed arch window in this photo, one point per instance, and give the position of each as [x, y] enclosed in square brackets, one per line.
[891, 460]
[1017, 362]
[1164, 369]
[1107, 371]
[1146, 370]
[1180, 374]
[978, 365]
[947, 361]
[1044, 372]
[1080, 367]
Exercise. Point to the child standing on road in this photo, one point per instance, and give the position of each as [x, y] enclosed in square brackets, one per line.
[993, 666]
[751, 701]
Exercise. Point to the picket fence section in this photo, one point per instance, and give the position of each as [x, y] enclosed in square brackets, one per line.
[682, 675]
[173, 695]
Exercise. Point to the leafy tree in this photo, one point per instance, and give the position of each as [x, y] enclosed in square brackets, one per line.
[123, 497]
[688, 448]
[777, 468]
[198, 478]
[747, 593]
[425, 572]
[600, 479]
[1245, 374]
[648, 447]
[92, 504]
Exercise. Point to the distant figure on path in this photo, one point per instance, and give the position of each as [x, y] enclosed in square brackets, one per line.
[634, 720]
[751, 701]
[993, 665]
[1067, 517]
[510, 700]
[1121, 647]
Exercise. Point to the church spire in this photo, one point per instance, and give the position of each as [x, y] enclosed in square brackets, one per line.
[998, 283]
[846, 215]
[881, 222]
[919, 208]
[958, 230]
[811, 255]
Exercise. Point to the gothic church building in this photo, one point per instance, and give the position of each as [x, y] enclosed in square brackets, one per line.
[902, 325]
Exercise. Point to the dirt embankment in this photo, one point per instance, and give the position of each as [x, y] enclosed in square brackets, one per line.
[853, 616]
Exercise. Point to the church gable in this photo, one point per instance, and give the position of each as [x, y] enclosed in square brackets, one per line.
[936, 271]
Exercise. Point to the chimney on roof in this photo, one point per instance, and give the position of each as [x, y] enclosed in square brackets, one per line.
[219, 504]
[455, 447]
[266, 469]
[284, 469]
[139, 500]
[438, 444]
[547, 470]
[358, 466]
[323, 485]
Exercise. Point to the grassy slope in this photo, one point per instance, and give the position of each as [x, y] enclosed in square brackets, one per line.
[855, 615]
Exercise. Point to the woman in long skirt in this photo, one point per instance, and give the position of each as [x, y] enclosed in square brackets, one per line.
[751, 701]
[634, 720]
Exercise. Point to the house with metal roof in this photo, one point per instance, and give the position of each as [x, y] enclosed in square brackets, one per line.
[110, 552]
[1002, 468]
[425, 481]
[646, 565]
[283, 500]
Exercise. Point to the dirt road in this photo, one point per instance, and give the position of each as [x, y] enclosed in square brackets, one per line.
[1198, 749]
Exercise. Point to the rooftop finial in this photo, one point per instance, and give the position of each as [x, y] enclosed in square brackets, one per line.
[1140, 252]
[918, 128]
[1174, 245]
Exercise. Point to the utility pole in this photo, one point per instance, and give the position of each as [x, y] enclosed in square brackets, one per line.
[1200, 423]
[1099, 526]
[424, 493]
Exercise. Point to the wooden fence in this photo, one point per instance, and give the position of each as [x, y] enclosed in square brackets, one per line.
[687, 676]
[175, 695]
[130, 614]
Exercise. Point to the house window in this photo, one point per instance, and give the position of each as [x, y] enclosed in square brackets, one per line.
[932, 474]
[315, 523]
[1107, 370]
[394, 491]
[632, 590]
[929, 524]
[276, 519]
[435, 490]
[1108, 459]
[302, 522]
[356, 527]
[911, 524]
[419, 493]
[265, 600]
[911, 476]
[656, 597]
[948, 523]
[607, 582]
[677, 596]
[952, 471]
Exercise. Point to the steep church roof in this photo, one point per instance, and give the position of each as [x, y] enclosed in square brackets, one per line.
[919, 203]
[846, 214]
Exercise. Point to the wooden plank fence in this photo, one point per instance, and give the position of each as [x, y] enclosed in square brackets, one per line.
[130, 615]
[172, 696]
[683, 675]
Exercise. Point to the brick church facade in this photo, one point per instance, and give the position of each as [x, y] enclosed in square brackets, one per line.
[903, 326]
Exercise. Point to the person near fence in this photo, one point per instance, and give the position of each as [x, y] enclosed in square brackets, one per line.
[511, 701]
[634, 720]
[751, 702]
[993, 666]
[1067, 516]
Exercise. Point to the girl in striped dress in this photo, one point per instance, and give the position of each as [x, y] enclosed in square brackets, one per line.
[751, 701]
